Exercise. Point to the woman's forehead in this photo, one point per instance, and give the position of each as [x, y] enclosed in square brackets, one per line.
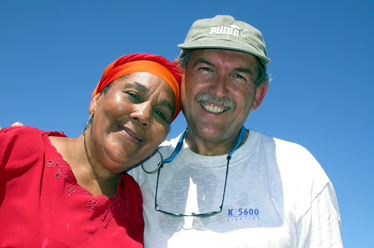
[144, 81]
[148, 83]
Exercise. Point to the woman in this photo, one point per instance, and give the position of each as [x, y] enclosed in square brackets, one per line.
[74, 192]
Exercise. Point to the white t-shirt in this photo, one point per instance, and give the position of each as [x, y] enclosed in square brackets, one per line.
[277, 195]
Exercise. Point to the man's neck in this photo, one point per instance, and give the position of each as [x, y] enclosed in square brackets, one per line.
[211, 147]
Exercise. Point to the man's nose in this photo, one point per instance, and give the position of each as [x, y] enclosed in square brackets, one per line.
[219, 85]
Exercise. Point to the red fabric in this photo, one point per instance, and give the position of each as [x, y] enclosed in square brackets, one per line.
[41, 203]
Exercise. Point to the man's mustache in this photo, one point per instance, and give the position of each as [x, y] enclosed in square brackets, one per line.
[222, 101]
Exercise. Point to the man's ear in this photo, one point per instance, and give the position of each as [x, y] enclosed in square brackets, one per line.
[175, 62]
[259, 95]
[93, 104]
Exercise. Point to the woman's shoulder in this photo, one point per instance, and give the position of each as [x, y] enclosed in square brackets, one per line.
[16, 130]
[22, 140]
[27, 131]
[17, 144]
[130, 183]
[12, 136]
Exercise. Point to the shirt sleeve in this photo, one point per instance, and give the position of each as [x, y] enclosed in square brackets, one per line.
[320, 226]
[18, 144]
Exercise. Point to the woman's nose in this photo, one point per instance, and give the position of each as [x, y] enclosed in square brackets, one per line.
[142, 114]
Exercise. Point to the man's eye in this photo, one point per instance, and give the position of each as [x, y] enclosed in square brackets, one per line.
[240, 76]
[205, 69]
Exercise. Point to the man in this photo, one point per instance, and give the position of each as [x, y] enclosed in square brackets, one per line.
[221, 185]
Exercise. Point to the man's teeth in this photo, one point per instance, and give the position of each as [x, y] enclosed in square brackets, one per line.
[213, 109]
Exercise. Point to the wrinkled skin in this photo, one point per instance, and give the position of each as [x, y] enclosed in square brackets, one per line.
[227, 76]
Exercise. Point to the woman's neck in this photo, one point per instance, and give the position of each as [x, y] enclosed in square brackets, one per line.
[90, 174]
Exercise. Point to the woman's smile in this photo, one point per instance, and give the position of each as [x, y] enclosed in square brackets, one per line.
[130, 134]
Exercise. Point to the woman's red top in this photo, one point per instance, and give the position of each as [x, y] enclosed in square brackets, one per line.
[41, 204]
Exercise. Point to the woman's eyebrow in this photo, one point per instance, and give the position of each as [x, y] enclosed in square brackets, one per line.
[138, 86]
[168, 105]
[141, 87]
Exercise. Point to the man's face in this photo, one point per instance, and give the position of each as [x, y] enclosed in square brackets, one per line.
[218, 93]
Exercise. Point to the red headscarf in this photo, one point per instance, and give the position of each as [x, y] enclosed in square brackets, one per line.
[141, 62]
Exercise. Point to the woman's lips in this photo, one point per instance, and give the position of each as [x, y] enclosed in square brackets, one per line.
[130, 134]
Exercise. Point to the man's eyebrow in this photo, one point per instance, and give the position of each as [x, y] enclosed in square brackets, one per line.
[239, 69]
[202, 61]
[244, 70]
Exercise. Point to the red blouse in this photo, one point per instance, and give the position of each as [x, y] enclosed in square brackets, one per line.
[42, 205]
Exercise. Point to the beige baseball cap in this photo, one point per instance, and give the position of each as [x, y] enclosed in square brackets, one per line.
[224, 32]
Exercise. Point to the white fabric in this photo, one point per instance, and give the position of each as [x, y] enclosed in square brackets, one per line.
[277, 195]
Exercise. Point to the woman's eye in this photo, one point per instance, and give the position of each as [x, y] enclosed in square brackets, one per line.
[134, 96]
[160, 115]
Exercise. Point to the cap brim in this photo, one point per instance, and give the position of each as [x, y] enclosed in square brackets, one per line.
[223, 44]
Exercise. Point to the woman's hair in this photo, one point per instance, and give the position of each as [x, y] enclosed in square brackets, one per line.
[262, 76]
[106, 88]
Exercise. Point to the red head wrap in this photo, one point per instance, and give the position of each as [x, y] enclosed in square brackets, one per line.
[141, 62]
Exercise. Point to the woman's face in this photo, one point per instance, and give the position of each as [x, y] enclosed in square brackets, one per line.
[130, 120]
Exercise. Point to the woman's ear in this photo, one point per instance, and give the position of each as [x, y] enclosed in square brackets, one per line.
[93, 104]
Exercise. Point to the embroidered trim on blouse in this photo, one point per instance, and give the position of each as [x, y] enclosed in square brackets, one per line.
[117, 206]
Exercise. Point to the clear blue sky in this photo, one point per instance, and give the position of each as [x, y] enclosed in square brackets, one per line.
[52, 54]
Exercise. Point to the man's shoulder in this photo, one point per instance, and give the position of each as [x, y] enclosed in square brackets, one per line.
[294, 162]
[298, 160]
[282, 144]
[287, 153]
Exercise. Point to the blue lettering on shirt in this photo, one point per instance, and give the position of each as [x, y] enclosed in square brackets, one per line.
[243, 214]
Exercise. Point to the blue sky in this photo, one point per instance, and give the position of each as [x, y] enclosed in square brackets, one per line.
[52, 54]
